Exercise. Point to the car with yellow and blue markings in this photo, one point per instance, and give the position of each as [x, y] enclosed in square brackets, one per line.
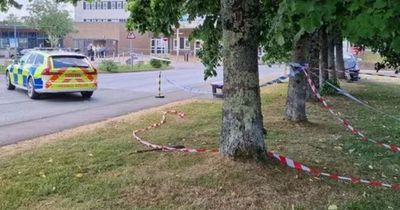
[41, 72]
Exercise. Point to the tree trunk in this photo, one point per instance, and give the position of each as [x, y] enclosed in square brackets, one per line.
[296, 100]
[242, 124]
[314, 64]
[331, 55]
[339, 57]
[323, 58]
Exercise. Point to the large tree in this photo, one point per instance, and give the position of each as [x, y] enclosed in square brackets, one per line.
[242, 124]
[47, 16]
[239, 21]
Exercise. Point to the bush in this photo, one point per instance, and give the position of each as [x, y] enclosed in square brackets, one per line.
[108, 65]
[165, 62]
[328, 90]
[156, 63]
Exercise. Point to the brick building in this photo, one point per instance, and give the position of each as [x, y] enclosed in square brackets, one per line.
[102, 23]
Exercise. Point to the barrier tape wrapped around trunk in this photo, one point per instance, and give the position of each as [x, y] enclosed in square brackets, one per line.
[346, 123]
[282, 159]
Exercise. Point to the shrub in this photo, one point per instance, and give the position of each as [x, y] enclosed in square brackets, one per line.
[108, 65]
[155, 63]
[165, 62]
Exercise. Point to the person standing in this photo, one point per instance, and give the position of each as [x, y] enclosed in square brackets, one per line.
[90, 52]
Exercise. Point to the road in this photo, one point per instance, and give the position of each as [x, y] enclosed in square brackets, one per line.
[22, 118]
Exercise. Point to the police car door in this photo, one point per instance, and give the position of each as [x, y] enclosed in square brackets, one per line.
[17, 70]
[27, 67]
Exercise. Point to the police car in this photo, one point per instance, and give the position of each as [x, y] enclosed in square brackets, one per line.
[41, 72]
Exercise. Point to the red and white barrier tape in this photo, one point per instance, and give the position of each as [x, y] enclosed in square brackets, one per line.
[282, 159]
[346, 123]
[162, 147]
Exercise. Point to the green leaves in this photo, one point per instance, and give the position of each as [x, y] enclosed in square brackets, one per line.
[396, 44]
[380, 4]
[368, 22]
[46, 16]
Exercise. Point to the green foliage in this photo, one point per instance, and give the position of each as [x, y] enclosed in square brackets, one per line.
[211, 53]
[166, 62]
[108, 66]
[6, 4]
[156, 63]
[46, 16]
[328, 90]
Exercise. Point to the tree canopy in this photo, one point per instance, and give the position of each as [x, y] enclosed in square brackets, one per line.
[45, 15]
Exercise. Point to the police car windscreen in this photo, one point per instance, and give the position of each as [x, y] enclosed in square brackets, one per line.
[70, 61]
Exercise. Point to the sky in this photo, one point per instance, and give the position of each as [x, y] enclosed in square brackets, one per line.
[22, 12]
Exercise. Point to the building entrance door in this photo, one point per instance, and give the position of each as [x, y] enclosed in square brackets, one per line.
[159, 46]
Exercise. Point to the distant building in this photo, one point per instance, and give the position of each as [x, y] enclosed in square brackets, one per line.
[101, 11]
[20, 37]
[102, 24]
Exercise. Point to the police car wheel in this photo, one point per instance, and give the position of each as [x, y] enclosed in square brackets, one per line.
[9, 85]
[31, 89]
[86, 94]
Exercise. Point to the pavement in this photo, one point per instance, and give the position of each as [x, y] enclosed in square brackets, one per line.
[22, 118]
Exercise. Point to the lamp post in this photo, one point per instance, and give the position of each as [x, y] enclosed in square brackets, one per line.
[15, 37]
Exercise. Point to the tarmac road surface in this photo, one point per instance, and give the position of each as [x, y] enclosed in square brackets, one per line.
[22, 118]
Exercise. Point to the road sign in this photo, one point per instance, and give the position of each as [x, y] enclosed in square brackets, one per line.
[131, 35]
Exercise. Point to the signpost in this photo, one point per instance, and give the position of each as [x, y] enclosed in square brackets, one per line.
[131, 36]
[178, 42]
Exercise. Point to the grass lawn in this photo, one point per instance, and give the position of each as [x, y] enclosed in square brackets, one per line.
[3, 69]
[95, 167]
[370, 57]
[135, 68]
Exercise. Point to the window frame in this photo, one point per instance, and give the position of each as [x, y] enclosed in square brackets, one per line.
[29, 60]
[37, 56]
[119, 5]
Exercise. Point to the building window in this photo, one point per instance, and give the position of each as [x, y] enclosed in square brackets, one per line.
[113, 5]
[84, 5]
[187, 43]
[119, 5]
[104, 5]
[93, 5]
[184, 43]
[109, 5]
[125, 4]
[98, 5]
